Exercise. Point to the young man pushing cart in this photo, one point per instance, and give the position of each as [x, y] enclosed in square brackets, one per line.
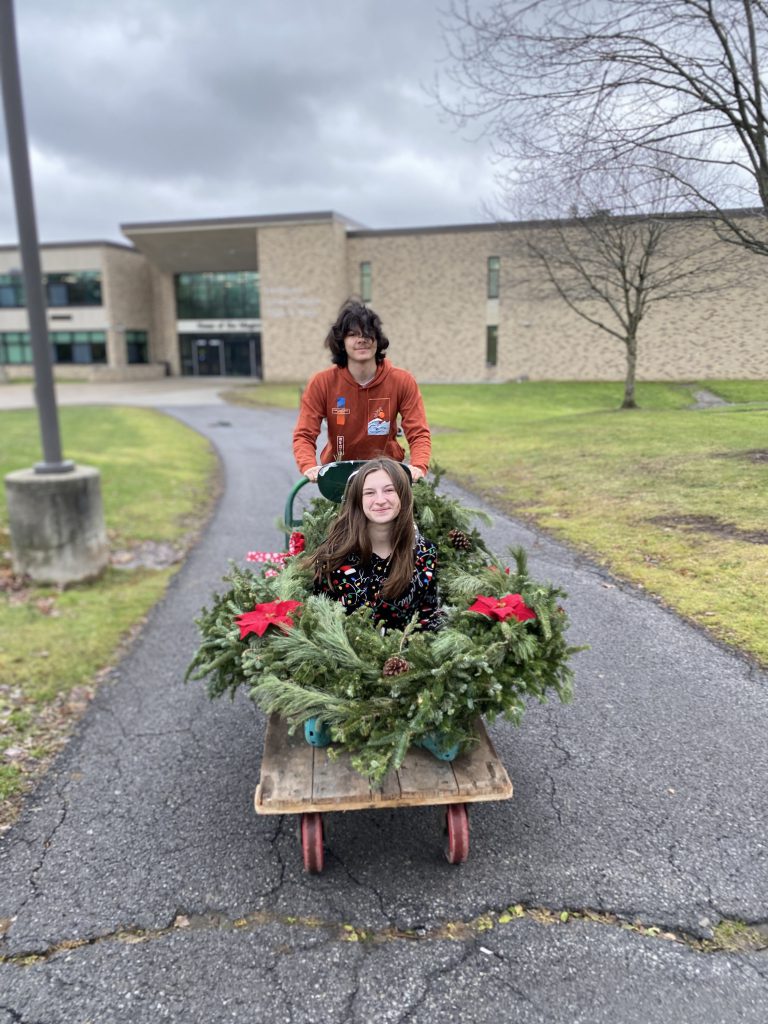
[360, 396]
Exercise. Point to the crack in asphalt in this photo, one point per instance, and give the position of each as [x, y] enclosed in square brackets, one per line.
[348, 1013]
[287, 1004]
[750, 965]
[557, 742]
[552, 794]
[522, 997]
[369, 888]
[44, 847]
[18, 1018]
[458, 931]
[104, 708]
[273, 842]
[432, 978]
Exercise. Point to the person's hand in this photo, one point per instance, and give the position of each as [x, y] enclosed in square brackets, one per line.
[416, 473]
[311, 474]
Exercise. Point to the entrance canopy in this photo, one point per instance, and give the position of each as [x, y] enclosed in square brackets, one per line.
[203, 245]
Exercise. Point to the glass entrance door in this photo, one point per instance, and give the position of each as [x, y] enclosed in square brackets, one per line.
[230, 355]
[240, 357]
[207, 354]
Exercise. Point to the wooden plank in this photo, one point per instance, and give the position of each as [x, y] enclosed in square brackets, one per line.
[422, 777]
[479, 773]
[286, 769]
[335, 780]
[389, 791]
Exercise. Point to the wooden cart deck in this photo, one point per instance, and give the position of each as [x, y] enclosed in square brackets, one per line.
[299, 778]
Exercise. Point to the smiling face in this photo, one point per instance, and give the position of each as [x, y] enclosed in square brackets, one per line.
[359, 349]
[381, 503]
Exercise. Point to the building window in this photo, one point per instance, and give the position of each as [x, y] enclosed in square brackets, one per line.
[491, 345]
[137, 346]
[366, 282]
[67, 346]
[221, 295]
[494, 267]
[11, 291]
[15, 348]
[79, 346]
[80, 288]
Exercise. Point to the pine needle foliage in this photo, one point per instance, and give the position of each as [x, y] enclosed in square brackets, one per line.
[329, 666]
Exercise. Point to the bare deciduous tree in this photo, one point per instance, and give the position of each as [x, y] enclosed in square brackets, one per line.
[611, 265]
[653, 81]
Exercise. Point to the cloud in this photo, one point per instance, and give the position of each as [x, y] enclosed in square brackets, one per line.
[140, 111]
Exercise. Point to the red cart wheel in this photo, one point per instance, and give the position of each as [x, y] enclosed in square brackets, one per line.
[312, 842]
[457, 823]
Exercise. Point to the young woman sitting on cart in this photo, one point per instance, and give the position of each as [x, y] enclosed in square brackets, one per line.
[375, 556]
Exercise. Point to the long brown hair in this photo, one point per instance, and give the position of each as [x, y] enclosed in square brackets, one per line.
[349, 533]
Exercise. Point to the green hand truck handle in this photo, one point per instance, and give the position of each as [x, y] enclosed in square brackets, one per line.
[332, 481]
[288, 519]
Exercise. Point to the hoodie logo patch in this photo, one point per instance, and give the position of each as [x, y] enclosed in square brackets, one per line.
[378, 416]
[340, 411]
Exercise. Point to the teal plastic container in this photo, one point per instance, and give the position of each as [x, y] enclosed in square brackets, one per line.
[316, 734]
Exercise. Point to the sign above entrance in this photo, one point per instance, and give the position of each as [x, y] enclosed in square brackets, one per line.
[218, 326]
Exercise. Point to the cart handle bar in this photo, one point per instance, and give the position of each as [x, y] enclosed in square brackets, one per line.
[332, 481]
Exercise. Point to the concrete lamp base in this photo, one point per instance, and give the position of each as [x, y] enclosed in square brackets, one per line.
[57, 524]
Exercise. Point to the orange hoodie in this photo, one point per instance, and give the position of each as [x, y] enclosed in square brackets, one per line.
[362, 418]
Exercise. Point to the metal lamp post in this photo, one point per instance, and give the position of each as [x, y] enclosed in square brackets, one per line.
[54, 510]
[45, 396]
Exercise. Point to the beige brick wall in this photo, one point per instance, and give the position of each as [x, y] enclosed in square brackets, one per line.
[57, 259]
[127, 294]
[165, 342]
[715, 330]
[303, 279]
[430, 290]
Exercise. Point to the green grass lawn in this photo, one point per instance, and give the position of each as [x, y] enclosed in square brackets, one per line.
[156, 480]
[739, 390]
[668, 497]
[285, 396]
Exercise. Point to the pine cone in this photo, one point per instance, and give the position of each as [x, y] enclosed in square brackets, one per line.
[395, 666]
[460, 540]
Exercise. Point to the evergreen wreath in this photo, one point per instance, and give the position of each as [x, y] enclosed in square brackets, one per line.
[299, 654]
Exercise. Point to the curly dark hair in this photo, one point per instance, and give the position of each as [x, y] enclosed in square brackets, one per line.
[354, 317]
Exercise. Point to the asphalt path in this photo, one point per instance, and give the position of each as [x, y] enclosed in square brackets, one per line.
[140, 886]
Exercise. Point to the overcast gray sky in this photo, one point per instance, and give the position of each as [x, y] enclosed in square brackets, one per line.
[144, 110]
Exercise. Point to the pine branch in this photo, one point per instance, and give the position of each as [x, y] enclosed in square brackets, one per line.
[296, 702]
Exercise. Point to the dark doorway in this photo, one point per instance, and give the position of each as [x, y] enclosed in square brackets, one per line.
[229, 355]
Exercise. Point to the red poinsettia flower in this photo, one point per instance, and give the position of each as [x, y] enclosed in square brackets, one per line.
[500, 608]
[296, 543]
[271, 613]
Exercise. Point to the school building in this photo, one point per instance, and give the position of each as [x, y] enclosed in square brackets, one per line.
[254, 297]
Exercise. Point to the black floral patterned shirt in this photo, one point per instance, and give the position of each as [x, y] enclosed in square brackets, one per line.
[356, 586]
